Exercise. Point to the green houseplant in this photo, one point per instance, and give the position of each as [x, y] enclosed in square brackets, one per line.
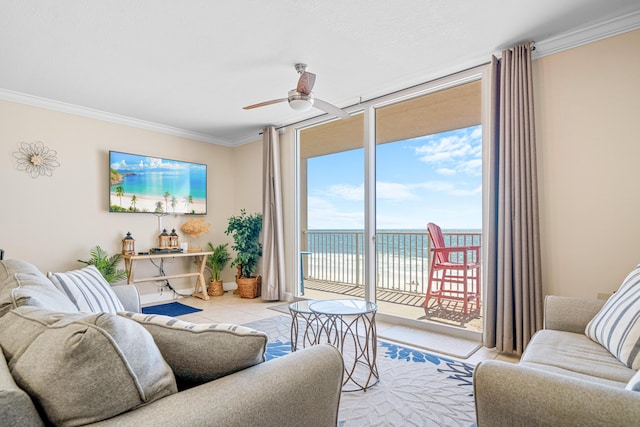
[217, 261]
[106, 265]
[245, 230]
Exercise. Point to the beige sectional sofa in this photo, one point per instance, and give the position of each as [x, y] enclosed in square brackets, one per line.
[564, 377]
[66, 366]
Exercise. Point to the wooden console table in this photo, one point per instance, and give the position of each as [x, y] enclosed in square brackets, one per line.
[200, 258]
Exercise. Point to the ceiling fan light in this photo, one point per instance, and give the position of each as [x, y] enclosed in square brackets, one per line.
[299, 101]
[300, 105]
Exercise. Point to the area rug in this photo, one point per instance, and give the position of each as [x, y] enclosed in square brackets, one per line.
[416, 388]
[172, 309]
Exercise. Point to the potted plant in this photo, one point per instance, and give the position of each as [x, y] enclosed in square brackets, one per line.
[106, 265]
[217, 261]
[245, 230]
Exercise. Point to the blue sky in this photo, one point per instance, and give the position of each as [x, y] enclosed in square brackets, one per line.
[435, 178]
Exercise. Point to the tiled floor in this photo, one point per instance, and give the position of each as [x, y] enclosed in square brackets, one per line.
[230, 308]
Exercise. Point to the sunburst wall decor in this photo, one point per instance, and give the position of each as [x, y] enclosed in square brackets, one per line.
[36, 159]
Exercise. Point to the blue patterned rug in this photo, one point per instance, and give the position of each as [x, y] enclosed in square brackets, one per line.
[172, 309]
[416, 388]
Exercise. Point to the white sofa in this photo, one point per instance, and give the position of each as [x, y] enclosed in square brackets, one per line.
[64, 367]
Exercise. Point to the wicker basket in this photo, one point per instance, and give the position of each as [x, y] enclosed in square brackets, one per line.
[249, 288]
[215, 288]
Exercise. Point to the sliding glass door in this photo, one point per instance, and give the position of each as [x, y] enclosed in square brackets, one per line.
[371, 183]
[428, 169]
[331, 165]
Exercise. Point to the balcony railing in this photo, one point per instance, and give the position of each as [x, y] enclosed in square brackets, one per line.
[402, 257]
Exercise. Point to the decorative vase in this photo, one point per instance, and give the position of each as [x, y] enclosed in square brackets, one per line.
[215, 288]
[249, 287]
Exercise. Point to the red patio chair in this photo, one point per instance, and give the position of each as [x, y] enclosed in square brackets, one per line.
[454, 274]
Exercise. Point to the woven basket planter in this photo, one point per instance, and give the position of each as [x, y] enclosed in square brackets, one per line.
[215, 288]
[249, 288]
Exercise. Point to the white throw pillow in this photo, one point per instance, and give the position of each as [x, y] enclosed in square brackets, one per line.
[617, 325]
[38, 291]
[88, 290]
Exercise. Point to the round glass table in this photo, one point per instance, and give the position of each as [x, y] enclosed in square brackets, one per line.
[350, 325]
[304, 324]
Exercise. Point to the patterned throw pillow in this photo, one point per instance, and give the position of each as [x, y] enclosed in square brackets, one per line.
[617, 325]
[88, 290]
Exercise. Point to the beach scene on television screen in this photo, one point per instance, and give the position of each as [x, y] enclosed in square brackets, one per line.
[149, 184]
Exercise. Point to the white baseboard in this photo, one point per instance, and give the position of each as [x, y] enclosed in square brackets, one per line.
[229, 286]
[167, 295]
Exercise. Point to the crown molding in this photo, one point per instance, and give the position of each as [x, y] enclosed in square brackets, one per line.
[64, 107]
[588, 34]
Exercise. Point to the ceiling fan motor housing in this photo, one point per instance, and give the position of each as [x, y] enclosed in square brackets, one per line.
[299, 101]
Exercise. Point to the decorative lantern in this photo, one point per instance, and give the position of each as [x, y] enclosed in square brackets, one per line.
[128, 245]
[163, 239]
[173, 239]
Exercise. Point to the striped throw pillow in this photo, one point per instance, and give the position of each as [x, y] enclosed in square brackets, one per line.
[198, 353]
[88, 290]
[617, 325]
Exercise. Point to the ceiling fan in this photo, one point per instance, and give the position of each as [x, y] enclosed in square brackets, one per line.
[301, 98]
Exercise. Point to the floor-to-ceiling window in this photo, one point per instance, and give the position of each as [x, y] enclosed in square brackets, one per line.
[428, 168]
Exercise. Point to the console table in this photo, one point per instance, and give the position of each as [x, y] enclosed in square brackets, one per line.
[199, 257]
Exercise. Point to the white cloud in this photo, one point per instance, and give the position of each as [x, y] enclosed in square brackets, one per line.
[154, 163]
[448, 188]
[436, 186]
[471, 167]
[347, 192]
[322, 214]
[384, 191]
[473, 192]
[446, 171]
[458, 153]
[394, 191]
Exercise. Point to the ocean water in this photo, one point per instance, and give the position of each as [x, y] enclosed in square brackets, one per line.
[412, 243]
[177, 182]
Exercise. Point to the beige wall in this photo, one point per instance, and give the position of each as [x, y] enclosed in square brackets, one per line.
[587, 114]
[52, 221]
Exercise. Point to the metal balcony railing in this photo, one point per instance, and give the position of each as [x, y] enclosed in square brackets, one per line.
[402, 257]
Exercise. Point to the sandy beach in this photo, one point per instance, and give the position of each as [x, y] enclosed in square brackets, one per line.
[148, 204]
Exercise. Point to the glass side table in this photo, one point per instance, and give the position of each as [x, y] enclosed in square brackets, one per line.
[350, 325]
[304, 321]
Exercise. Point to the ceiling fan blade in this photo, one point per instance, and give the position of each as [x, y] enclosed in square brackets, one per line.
[306, 82]
[330, 108]
[262, 104]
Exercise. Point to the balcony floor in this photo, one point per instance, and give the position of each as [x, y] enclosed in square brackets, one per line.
[396, 303]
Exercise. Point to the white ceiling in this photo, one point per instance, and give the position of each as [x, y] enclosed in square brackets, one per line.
[190, 66]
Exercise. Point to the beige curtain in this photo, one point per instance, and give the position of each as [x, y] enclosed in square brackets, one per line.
[273, 285]
[513, 292]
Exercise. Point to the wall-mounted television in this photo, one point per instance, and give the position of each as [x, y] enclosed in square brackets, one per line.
[155, 185]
